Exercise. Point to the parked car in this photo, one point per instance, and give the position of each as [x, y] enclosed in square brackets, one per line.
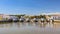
[14, 18]
[21, 19]
[47, 20]
[42, 20]
[9, 20]
[6, 20]
[35, 20]
[27, 20]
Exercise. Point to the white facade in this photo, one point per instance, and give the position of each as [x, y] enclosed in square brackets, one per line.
[55, 17]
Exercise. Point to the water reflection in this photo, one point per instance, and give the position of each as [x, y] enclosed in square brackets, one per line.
[20, 24]
[29, 28]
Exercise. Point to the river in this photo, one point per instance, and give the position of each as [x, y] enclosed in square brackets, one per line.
[29, 28]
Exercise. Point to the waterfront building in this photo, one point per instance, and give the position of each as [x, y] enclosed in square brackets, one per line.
[1, 16]
[55, 17]
[4, 17]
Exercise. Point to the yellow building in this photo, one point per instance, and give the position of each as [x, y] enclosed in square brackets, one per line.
[1, 16]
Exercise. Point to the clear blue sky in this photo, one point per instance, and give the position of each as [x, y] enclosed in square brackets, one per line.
[32, 7]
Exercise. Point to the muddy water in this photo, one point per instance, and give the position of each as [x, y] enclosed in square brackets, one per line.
[29, 28]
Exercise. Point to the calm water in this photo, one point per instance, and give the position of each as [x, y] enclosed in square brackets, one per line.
[29, 28]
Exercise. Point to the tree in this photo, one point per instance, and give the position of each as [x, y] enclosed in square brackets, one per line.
[43, 16]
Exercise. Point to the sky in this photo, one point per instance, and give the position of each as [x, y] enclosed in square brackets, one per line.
[29, 7]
